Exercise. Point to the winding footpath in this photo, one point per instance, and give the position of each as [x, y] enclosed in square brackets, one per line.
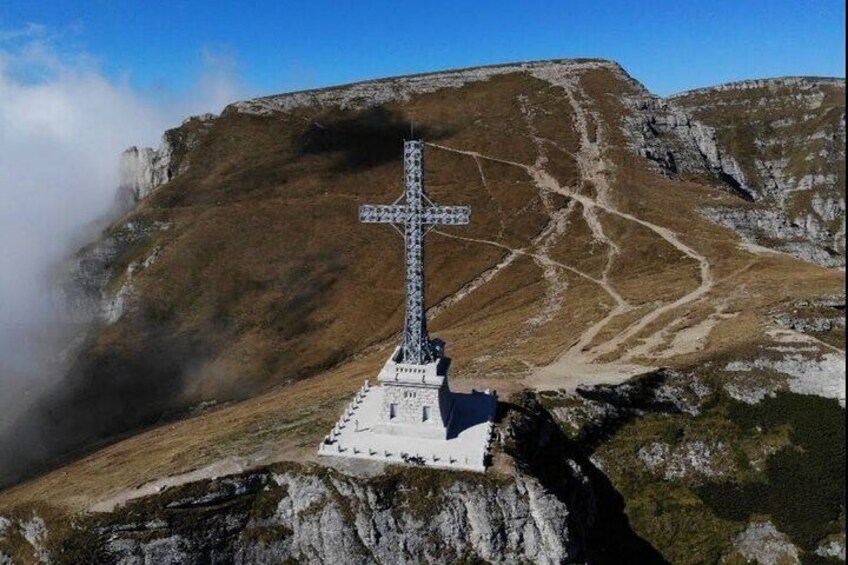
[594, 170]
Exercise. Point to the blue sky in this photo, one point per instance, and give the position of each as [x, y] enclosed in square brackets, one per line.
[81, 81]
[278, 46]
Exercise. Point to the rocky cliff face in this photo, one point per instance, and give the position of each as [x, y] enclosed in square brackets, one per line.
[789, 137]
[678, 144]
[332, 518]
[144, 169]
[87, 288]
[555, 508]
[96, 284]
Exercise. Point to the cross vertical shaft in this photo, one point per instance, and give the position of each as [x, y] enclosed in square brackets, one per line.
[416, 342]
[416, 213]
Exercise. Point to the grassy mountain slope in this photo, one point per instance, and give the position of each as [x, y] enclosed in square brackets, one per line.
[583, 266]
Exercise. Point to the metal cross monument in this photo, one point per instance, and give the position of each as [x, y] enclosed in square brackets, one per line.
[416, 214]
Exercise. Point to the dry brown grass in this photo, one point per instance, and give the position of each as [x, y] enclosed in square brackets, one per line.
[266, 261]
[290, 420]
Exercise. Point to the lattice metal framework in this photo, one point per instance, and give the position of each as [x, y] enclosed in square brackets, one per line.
[415, 212]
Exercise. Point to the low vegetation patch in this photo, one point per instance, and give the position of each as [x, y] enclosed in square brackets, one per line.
[693, 479]
[803, 484]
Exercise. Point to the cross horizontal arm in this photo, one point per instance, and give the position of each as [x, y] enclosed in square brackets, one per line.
[399, 214]
[451, 215]
[382, 214]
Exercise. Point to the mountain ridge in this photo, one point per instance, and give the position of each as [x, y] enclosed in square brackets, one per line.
[783, 80]
[250, 296]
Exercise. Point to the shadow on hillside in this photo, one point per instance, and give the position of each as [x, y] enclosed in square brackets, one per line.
[115, 389]
[366, 139]
[627, 402]
[597, 509]
[107, 392]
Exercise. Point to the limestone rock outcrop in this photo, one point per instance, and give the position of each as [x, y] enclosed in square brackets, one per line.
[84, 289]
[334, 518]
[143, 169]
[788, 135]
[377, 92]
[677, 143]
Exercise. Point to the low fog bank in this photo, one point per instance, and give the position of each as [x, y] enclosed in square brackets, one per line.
[63, 126]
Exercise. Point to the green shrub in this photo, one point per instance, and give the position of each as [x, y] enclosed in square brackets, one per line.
[804, 489]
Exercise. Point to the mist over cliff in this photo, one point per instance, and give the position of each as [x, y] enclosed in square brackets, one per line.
[63, 125]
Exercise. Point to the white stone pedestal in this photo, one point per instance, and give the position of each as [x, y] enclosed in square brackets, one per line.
[390, 422]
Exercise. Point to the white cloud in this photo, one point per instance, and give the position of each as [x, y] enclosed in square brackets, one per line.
[218, 84]
[29, 31]
[63, 125]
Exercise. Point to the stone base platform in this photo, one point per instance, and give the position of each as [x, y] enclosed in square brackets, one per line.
[361, 434]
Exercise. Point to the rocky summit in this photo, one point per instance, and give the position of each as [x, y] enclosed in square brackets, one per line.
[653, 286]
